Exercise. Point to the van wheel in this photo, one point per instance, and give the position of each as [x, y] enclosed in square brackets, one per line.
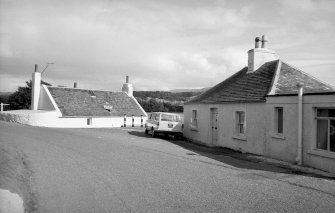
[146, 131]
[153, 134]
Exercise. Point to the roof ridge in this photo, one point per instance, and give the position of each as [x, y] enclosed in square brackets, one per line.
[298, 69]
[84, 89]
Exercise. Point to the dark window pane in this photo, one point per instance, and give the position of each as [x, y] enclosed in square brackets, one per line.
[322, 113]
[331, 113]
[241, 117]
[241, 129]
[326, 113]
[322, 134]
[280, 117]
[332, 136]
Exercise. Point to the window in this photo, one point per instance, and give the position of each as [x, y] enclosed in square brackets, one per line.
[279, 120]
[325, 129]
[194, 120]
[240, 122]
[89, 121]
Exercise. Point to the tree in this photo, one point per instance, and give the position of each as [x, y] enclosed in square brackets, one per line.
[21, 98]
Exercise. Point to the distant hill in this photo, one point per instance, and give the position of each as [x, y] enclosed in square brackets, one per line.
[164, 101]
[5, 93]
[190, 90]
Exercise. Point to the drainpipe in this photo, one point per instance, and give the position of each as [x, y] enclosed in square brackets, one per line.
[300, 119]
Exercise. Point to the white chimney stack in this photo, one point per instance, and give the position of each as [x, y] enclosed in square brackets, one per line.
[127, 87]
[35, 88]
[259, 56]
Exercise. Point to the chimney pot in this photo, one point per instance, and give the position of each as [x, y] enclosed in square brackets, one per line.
[36, 68]
[264, 41]
[75, 85]
[259, 55]
[257, 40]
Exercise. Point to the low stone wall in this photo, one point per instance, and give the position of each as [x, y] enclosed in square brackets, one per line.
[19, 117]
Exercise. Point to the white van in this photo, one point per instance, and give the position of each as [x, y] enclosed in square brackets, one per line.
[164, 123]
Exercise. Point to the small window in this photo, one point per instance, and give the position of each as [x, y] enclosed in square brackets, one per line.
[194, 120]
[279, 120]
[89, 121]
[240, 122]
[325, 129]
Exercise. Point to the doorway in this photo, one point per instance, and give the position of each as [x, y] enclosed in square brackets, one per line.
[214, 125]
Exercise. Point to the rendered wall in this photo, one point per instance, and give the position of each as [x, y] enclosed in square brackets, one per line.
[260, 136]
[52, 119]
[286, 148]
[255, 124]
[282, 147]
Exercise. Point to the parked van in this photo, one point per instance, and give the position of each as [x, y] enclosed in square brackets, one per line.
[164, 123]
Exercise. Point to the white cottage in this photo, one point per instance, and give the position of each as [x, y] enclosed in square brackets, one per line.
[78, 108]
[268, 108]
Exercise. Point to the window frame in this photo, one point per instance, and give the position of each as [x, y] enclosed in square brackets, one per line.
[238, 123]
[328, 119]
[194, 118]
[89, 121]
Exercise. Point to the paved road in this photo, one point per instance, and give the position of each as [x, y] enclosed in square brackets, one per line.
[113, 170]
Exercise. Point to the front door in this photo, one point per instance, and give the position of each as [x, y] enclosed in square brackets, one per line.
[214, 125]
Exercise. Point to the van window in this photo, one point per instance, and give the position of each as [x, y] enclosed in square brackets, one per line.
[174, 118]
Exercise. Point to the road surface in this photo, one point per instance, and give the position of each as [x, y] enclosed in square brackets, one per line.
[115, 170]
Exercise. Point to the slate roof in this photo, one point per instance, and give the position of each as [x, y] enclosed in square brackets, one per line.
[243, 87]
[94, 103]
[290, 76]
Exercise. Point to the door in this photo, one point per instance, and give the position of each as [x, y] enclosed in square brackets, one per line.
[214, 125]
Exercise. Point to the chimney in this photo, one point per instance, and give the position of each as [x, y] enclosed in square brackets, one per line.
[75, 85]
[264, 41]
[259, 55]
[35, 88]
[127, 87]
[257, 40]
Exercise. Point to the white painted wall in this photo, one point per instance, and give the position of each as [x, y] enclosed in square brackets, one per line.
[260, 137]
[45, 102]
[254, 136]
[52, 119]
[286, 148]
[282, 147]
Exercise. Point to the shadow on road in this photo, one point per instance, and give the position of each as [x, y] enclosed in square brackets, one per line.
[230, 157]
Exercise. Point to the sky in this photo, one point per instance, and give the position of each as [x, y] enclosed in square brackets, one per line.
[160, 44]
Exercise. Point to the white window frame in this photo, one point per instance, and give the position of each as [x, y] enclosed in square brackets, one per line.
[329, 130]
[238, 123]
[195, 117]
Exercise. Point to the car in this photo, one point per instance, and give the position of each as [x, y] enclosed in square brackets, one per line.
[164, 123]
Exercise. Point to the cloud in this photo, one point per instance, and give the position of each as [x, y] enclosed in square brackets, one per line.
[160, 44]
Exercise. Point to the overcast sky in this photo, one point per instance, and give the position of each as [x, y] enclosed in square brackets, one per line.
[160, 44]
